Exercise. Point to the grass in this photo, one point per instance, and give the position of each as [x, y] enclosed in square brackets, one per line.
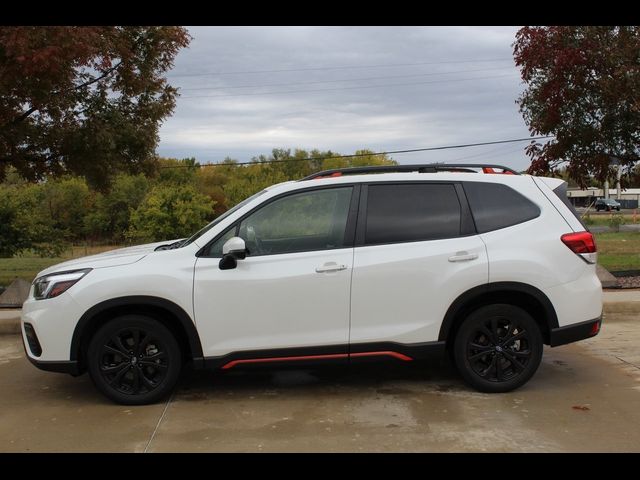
[27, 266]
[618, 250]
[603, 219]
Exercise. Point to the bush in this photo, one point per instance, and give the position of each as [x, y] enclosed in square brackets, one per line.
[169, 212]
[615, 220]
[25, 225]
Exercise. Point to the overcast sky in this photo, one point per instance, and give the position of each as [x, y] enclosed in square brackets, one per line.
[247, 90]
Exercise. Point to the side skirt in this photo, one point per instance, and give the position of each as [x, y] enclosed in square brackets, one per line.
[331, 354]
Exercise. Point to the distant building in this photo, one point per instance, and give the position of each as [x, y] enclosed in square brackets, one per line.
[629, 197]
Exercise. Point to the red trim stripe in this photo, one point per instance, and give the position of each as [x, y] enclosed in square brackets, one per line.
[397, 355]
[283, 359]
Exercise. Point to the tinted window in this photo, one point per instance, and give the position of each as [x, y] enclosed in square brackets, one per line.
[411, 212]
[495, 206]
[306, 221]
[561, 192]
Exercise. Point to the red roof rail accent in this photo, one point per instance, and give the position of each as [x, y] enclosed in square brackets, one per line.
[491, 170]
[334, 174]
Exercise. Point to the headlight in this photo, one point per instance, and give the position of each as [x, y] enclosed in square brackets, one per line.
[54, 284]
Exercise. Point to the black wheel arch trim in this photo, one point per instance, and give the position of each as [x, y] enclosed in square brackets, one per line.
[185, 320]
[474, 293]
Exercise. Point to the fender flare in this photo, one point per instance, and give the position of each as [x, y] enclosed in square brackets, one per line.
[470, 295]
[185, 320]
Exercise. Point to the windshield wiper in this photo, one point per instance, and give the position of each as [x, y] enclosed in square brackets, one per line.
[170, 246]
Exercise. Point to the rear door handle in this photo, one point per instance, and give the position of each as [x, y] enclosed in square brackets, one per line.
[463, 257]
[330, 267]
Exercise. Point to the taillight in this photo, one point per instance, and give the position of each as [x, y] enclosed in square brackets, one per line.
[582, 244]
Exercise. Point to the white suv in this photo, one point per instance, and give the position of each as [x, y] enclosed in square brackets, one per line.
[342, 266]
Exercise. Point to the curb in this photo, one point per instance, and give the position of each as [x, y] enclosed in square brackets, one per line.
[621, 308]
[10, 326]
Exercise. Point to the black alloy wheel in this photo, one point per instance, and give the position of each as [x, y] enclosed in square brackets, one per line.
[498, 348]
[134, 360]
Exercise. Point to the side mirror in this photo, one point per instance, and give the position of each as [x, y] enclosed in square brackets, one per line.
[236, 247]
[233, 250]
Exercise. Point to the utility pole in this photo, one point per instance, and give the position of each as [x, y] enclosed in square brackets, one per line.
[613, 160]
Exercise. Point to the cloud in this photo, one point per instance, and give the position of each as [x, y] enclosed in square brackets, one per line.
[247, 90]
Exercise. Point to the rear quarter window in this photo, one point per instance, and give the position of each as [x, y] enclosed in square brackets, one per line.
[495, 206]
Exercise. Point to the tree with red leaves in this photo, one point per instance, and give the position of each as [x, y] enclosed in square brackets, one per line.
[84, 100]
[583, 87]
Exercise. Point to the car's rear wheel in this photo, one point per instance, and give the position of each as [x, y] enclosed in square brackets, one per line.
[134, 360]
[498, 348]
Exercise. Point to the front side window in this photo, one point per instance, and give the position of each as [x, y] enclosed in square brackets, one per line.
[306, 221]
[411, 212]
[215, 250]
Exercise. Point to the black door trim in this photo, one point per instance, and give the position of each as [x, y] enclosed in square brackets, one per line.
[332, 354]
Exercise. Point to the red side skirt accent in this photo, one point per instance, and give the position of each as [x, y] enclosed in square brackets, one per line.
[397, 355]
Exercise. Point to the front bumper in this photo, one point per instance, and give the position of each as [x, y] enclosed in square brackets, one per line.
[68, 366]
[575, 332]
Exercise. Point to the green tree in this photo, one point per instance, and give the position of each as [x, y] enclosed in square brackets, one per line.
[168, 212]
[362, 158]
[110, 217]
[25, 224]
[66, 201]
[172, 171]
[582, 87]
[86, 100]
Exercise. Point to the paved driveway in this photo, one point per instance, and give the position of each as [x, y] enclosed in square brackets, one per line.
[585, 397]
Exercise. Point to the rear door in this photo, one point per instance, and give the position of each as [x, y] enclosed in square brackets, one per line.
[416, 252]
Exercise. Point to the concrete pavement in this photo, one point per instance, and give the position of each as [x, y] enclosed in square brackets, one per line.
[584, 398]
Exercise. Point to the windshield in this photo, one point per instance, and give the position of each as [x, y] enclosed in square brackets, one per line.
[208, 227]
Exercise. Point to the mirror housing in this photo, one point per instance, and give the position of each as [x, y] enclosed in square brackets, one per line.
[233, 250]
[235, 247]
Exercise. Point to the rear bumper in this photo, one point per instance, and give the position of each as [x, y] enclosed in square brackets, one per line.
[575, 332]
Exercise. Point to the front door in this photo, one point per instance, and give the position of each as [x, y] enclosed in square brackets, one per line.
[293, 288]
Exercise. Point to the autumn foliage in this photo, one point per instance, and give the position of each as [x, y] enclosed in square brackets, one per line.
[583, 87]
[84, 100]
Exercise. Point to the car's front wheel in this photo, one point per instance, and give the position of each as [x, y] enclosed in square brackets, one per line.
[498, 348]
[134, 360]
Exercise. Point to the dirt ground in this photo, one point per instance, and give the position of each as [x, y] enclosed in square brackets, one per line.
[585, 397]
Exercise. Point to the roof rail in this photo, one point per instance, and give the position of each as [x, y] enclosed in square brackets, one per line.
[421, 168]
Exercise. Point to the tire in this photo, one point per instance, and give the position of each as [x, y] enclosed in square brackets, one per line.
[134, 360]
[498, 366]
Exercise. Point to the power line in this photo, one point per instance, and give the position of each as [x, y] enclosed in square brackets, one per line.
[346, 88]
[501, 151]
[427, 149]
[342, 80]
[343, 67]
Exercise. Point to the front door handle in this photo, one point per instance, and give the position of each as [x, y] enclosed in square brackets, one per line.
[463, 257]
[330, 267]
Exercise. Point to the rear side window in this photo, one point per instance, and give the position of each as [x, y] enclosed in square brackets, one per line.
[561, 193]
[495, 206]
[411, 213]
